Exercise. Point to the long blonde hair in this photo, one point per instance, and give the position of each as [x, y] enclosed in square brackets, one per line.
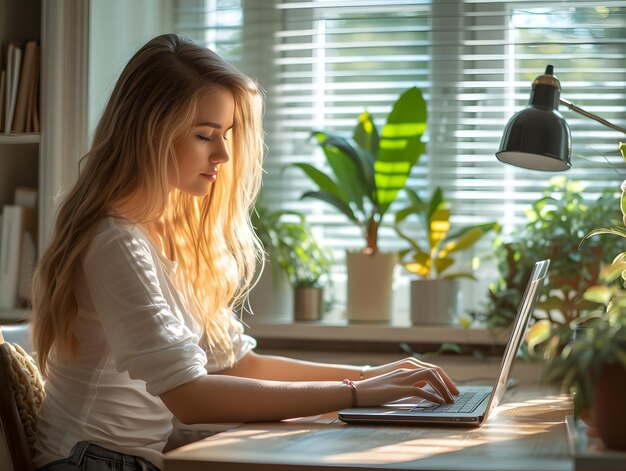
[150, 109]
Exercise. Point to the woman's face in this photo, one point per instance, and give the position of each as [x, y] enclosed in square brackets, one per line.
[206, 146]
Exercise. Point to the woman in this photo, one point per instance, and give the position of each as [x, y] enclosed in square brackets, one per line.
[153, 248]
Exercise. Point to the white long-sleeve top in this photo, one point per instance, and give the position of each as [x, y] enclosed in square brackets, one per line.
[137, 341]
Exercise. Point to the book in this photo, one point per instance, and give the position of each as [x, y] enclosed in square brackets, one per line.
[16, 220]
[32, 101]
[14, 61]
[588, 453]
[24, 87]
[35, 95]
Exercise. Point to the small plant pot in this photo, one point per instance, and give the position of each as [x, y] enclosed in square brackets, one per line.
[434, 302]
[308, 303]
[609, 407]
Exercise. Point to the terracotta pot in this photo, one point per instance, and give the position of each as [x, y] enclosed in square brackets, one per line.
[308, 303]
[609, 406]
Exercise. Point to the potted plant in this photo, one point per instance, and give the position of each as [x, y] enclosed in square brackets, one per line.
[368, 171]
[590, 358]
[271, 297]
[556, 223]
[434, 291]
[307, 264]
[296, 259]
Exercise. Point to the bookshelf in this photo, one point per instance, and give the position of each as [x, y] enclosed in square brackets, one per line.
[19, 153]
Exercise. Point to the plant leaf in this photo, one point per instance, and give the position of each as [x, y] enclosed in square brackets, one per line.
[467, 240]
[620, 231]
[538, 333]
[333, 201]
[598, 294]
[392, 168]
[613, 271]
[323, 181]
[366, 134]
[400, 146]
[363, 159]
[439, 226]
[622, 206]
[414, 197]
[347, 172]
[418, 207]
[486, 227]
[435, 202]
[442, 263]
[551, 302]
[415, 246]
[420, 265]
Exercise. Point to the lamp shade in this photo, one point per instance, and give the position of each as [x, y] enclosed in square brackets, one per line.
[538, 137]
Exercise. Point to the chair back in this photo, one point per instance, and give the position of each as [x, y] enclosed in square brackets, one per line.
[21, 395]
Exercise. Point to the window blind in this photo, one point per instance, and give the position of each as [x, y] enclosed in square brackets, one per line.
[324, 62]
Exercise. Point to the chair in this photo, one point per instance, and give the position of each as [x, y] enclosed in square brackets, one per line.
[17, 334]
[21, 395]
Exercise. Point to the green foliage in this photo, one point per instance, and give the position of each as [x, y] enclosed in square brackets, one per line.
[577, 352]
[369, 169]
[556, 223]
[432, 259]
[288, 241]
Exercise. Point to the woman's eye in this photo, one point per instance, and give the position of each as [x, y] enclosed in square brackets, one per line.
[204, 138]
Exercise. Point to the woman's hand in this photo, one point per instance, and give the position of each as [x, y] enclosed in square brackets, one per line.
[411, 363]
[403, 382]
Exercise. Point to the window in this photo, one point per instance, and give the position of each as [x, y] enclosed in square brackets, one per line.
[323, 62]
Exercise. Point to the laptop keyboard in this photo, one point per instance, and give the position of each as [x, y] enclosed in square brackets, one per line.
[465, 403]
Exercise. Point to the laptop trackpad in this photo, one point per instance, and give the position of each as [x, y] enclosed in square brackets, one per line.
[412, 402]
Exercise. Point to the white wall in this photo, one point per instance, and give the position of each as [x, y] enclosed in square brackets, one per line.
[117, 28]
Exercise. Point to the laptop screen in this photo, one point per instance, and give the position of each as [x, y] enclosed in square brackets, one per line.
[524, 312]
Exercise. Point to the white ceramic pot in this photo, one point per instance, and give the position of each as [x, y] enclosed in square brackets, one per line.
[434, 302]
[370, 286]
[271, 299]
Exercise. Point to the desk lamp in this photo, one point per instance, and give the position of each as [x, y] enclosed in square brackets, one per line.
[538, 137]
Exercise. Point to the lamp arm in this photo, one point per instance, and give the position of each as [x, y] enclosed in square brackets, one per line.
[577, 109]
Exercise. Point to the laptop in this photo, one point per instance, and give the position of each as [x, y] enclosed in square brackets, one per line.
[474, 403]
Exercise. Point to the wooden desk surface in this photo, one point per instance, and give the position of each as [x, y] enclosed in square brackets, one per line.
[527, 434]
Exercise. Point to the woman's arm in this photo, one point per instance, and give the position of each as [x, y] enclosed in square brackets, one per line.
[276, 368]
[222, 398]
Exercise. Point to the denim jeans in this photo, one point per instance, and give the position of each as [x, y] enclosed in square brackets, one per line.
[89, 457]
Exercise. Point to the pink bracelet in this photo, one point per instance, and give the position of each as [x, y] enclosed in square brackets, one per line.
[350, 384]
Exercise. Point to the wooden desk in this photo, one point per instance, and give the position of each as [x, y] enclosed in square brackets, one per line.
[527, 434]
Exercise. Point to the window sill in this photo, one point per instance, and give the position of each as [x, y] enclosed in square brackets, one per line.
[337, 331]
